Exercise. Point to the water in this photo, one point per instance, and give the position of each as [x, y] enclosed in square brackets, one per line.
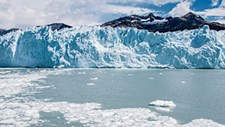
[197, 93]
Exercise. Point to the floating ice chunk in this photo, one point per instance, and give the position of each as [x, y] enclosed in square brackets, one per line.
[27, 113]
[130, 75]
[96, 78]
[202, 123]
[161, 103]
[164, 109]
[4, 72]
[160, 73]
[165, 106]
[91, 84]
[82, 73]
[151, 78]
[92, 115]
[183, 82]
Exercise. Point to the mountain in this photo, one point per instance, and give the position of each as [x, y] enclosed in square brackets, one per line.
[154, 23]
[58, 26]
[149, 22]
[3, 31]
[53, 26]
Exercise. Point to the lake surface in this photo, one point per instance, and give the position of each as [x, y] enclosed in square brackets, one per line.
[111, 97]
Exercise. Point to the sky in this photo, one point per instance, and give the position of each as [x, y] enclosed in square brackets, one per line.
[28, 13]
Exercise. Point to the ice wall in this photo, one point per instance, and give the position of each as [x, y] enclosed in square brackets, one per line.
[97, 47]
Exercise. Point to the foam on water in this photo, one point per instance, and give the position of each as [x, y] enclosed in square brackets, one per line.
[19, 108]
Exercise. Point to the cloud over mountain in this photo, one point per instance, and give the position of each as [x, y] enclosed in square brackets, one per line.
[26, 13]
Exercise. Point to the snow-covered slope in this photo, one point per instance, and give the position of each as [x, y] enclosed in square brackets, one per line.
[97, 47]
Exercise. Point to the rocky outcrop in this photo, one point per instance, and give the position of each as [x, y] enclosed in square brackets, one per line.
[154, 23]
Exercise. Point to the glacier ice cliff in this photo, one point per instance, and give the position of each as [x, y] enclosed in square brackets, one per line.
[106, 47]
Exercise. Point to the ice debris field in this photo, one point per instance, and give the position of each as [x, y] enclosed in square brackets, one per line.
[106, 47]
[19, 107]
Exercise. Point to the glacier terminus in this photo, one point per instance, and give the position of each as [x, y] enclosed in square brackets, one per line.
[107, 47]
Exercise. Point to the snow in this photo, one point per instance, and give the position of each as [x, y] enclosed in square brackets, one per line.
[155, 22]
[97, 47]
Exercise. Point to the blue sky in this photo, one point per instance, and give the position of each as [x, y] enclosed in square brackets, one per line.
[27, 13]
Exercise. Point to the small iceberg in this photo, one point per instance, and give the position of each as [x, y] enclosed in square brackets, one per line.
[82, 73]
[130, 75]
[183, 82]
[161, 105]
[90, 84]
[94, 79]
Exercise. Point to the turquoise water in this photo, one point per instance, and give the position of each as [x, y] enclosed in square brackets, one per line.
[196, 93]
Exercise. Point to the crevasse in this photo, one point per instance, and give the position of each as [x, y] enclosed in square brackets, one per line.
[106, 47]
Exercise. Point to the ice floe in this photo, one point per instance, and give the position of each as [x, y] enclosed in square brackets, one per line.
[23, 111]
[151, 78]
[94, 79]
[162, 103]
[183, 82]
[90, 84]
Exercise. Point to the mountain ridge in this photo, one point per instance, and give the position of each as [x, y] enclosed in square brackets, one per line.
[53, 26]
[149, 22]
[154, 23]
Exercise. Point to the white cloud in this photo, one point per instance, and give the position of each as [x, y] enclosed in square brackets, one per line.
[181, 8]
[220, 21]
[222, 3]
[213, 12]
[185, 6]
[155, 2]
[163, 2]
[219, 11]
[24, 13]
[215, 2]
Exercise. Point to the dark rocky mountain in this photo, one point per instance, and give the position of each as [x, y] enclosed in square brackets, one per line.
[58, 26]
[3, 31]
[53, 26]
[154, 23]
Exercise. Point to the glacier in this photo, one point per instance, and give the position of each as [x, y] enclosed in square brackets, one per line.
[106, 47]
